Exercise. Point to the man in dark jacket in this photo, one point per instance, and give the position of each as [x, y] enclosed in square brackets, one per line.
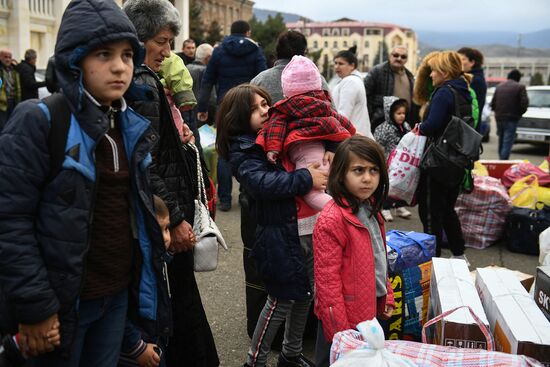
[26, 69]
[391, 78]
[237, 60]
[58, 268]
[509, 103]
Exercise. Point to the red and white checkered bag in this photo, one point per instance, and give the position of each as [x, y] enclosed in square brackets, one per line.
[429, 355]
[483, 212]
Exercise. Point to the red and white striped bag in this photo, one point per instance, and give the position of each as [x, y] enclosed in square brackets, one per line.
[429, 355]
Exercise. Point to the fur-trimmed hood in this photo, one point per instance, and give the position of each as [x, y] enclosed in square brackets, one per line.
[423, 87]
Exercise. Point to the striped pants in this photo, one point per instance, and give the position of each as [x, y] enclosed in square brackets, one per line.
[275, 312]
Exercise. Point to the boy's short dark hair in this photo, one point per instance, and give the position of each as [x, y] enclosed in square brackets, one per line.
[161, 210]
[240, 27]
[369, 150]
[397, 104]
[291, 43]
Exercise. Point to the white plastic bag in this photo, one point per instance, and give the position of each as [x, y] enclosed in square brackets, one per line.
[370, 352]
[403, 168]
[544, 245]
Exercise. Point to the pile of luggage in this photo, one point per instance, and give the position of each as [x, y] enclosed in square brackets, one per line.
[511, 199]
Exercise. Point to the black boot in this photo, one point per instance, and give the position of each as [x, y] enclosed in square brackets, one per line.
[298, 361]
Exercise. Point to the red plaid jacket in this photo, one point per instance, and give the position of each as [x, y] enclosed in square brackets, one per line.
[308, 116]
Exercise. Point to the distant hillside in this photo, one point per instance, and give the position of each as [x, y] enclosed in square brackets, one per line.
[262, 14]
[492, 50]
[539, 39]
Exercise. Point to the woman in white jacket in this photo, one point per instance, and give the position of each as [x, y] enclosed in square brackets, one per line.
[349, 95]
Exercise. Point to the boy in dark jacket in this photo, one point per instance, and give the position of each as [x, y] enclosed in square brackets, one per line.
[71, 241]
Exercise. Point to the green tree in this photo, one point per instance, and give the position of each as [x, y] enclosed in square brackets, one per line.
[196, 28]
[536, 79]
[385, 51]
[214, 33]
[315, 55]
[266, 33]
[548, 82]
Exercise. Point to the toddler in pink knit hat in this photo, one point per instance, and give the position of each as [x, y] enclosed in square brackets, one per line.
[302, 126]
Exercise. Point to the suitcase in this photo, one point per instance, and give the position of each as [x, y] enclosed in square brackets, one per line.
[524, 226]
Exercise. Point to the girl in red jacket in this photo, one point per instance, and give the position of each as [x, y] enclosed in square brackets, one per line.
[351, 276]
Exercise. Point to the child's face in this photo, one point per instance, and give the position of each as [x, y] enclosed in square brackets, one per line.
[107, 71]
[164, 223]
[362, 177]
[258, 115]
[399, 115]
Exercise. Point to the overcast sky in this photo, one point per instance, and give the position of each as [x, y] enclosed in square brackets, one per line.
[441, 15]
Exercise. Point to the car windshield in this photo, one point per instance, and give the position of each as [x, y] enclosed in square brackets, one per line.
[539, 98]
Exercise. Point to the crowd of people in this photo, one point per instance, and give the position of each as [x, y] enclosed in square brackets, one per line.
[98, 185]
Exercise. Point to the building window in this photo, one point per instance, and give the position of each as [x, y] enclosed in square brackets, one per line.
[325, 45]
[308, 32]
[345, 32]
[367, 44]
[355, 43]
[345, 44]
[369, 32]
[326, 32]
[336, 32]
[315, 44]
[335, 44]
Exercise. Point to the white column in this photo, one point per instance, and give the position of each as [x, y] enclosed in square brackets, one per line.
[19, 33]
[183, 9]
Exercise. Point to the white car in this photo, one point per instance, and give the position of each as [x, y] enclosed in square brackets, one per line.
[534, 125]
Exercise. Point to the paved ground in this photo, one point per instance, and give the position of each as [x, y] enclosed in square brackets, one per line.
[223, 290]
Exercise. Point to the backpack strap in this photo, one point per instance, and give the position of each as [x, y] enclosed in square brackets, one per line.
[459, 111]
[60, 121]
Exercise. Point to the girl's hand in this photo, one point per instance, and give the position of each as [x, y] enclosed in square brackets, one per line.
[416, 129]
[187, 135]
[318, 176]
[272, 156]
[327, 158]
[387, 312]
[149, 358]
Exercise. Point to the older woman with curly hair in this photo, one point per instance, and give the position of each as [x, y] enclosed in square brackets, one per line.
[174, 179]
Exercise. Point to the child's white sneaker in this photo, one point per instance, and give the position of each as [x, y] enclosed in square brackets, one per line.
[403, 212]
[387, 215]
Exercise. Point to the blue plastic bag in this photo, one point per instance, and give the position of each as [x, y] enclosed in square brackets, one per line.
[408, 249]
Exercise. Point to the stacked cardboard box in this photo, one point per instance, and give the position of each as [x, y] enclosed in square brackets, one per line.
[518, 326]
[451, 287]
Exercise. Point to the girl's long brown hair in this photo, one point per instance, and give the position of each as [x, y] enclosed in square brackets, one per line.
[233, 117]
[369, 150]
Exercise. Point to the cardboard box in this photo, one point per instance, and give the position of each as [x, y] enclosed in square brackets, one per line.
[452, 286]
[496, 168]
[518, 326]
[526, 280]
[542, 290]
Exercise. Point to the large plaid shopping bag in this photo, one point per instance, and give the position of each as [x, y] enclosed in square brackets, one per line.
[483, 212]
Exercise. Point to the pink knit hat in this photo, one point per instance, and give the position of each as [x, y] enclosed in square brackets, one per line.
[300, 76]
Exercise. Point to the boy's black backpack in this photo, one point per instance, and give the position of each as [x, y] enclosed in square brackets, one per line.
[60, 120]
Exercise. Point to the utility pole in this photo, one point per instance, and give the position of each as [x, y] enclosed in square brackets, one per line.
[519, 44]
